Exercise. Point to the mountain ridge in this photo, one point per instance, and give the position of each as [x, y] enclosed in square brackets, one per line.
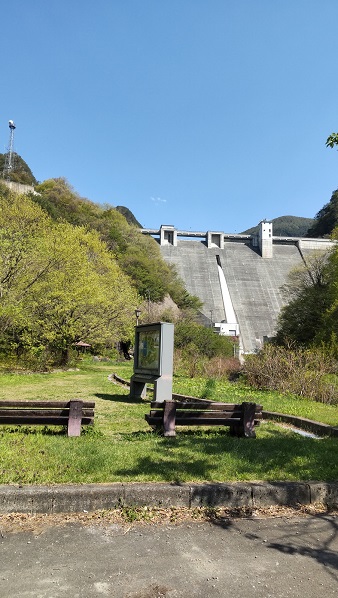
[286, 226]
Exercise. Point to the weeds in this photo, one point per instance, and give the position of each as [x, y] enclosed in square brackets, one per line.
[302, 372]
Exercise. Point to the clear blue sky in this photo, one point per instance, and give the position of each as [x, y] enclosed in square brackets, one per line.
[205, 114]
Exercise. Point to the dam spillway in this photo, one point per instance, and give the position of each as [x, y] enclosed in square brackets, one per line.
[255, 270]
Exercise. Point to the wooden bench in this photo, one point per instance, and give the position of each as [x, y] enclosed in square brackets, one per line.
[241, 418]
[73, 414]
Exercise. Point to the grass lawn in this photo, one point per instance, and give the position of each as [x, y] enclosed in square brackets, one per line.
[122, 447]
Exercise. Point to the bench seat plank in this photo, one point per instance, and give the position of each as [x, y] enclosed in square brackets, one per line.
[51, 420]
[241, 418]
[41, 404]
[181, 415]
[200, 406]
[198, 421]
[73, 413]
[41, 412]
[205, 406]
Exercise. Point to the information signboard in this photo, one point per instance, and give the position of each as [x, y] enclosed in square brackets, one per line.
[153, 360]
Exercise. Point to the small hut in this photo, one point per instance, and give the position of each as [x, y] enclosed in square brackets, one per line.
[81, 347]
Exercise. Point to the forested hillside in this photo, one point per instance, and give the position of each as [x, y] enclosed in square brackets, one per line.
[72, 270]
[311, 314]
[59, 284]
[137, 255]
[286, 226]
[326, 220]
[129, 216]
[20, 173]
[322, 225]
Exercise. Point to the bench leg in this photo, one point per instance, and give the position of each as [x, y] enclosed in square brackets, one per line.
[75, 417]
[247, 423]
[169, 416]
[245, 428]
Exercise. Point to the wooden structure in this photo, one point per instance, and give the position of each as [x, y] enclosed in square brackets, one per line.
[73, 414]
[241, 418]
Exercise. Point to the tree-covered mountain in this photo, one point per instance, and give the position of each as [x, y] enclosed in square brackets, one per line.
[71, 270]
[286, 226]
[59, 284]
[20, 173]
[326, 220]
[129, 216]
[138, 255]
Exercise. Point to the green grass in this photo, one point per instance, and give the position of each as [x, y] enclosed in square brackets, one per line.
[122, 447]
[222, 390]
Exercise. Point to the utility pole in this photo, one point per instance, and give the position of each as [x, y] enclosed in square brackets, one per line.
[10, 155]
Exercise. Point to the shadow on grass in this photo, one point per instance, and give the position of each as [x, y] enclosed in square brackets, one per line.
[35, 430]
[218, 456]
[120, 398]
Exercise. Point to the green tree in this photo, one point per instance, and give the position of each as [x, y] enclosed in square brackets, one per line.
[59, 283]
[21, 173]
[138, 255]
[23, 233]
[84, 297]
[326, 220]
[203, 340]
[328, 332]
[310, 290]
[332, 140]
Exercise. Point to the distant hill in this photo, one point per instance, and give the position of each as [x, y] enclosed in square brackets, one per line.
[129, 216]
[21, 173]
[286, 226]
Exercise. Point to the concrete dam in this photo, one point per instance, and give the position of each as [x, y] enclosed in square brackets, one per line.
[237, 277]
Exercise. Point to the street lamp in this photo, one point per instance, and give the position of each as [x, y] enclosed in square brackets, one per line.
[137, 314]
[148, 293]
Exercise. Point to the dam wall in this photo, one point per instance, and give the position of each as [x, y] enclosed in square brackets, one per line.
[255, 270]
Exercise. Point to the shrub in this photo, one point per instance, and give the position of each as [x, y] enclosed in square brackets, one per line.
[189, 362]
[205, 340]
[303, 372]
[199, 351]
[228, 368]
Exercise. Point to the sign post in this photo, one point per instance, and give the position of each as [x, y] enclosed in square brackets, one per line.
[153, 360]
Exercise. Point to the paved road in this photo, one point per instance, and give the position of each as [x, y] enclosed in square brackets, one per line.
[275, 557]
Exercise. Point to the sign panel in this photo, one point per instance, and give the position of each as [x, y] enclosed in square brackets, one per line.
[148, 350]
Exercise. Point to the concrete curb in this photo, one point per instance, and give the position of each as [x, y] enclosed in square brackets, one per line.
[302, 423]
[93, 497]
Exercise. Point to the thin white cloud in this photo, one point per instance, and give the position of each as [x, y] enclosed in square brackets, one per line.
[158, 200]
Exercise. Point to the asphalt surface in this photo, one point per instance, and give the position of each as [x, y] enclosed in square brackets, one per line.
[270, 557]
